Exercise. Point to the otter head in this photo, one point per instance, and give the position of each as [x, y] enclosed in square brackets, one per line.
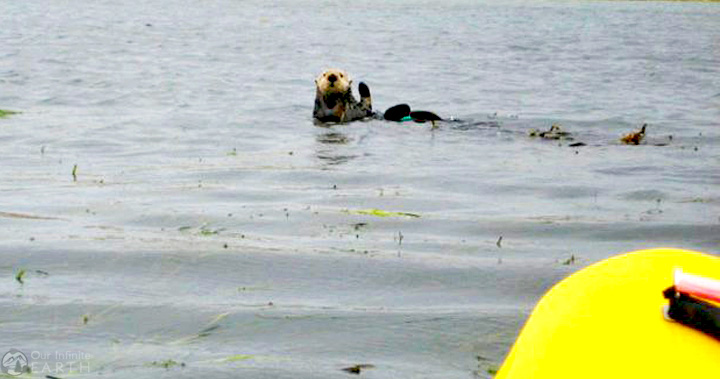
[333, 81]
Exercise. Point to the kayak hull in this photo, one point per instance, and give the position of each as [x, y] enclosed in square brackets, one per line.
[606, 321]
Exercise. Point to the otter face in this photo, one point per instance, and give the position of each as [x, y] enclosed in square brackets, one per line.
[333, 81]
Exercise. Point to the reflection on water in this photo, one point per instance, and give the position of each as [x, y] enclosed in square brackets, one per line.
[332, 148]
[333, 138]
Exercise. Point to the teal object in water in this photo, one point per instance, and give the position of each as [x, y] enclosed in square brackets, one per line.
[406, 118]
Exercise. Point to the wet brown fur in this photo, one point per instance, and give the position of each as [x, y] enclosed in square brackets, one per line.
[334, 101]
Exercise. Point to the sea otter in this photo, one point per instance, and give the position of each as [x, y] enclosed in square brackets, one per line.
[334, 102]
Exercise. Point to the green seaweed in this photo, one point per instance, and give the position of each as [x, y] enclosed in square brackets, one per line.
[357, 369]
[697, 200]
[19, 276]
[5, 113]
[238, 357]
[204, 231]
[555, 132]
[206, 331]
[166, 364]
[382, 213]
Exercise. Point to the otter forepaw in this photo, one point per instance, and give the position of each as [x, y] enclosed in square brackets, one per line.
[364, 90]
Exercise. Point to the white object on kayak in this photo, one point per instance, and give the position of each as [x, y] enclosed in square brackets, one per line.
[698, 286]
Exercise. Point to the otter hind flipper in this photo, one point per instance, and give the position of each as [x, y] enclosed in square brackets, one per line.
[422, 116]
[397, 112]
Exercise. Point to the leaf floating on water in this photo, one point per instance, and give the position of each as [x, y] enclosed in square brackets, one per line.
[382, 213]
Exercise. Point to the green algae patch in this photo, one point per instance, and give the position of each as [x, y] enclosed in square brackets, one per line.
[357, 369]
[6, 113]
[204, 230]
[208, 232]
[237, 358]
[166, 364]
[206, 331]
[20, 275]
[382, 213]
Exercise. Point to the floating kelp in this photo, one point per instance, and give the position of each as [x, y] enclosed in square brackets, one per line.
[20, 275]
[209, 328]
[5, 113]
[356, 369]
[26, 216]
[238, 357]
[204, 230]
[208, 232]
[634, 138]
[382, 213]
[555, 132]
[166, 364]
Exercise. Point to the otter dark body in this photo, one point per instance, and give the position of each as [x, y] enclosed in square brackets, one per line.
[334, 102]
[343, 107]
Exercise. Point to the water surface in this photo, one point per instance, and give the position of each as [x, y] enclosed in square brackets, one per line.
[210, 223]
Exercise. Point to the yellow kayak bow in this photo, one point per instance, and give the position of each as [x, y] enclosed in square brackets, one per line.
[606, 321]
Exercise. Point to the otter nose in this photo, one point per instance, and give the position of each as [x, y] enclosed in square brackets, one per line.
[332, 78]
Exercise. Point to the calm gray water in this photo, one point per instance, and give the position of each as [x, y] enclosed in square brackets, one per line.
[212, 228]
